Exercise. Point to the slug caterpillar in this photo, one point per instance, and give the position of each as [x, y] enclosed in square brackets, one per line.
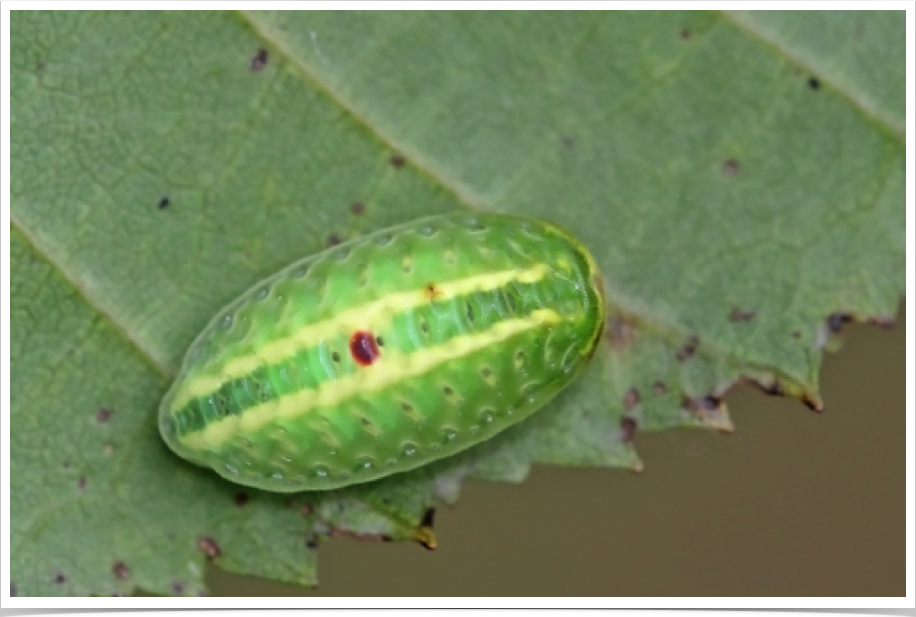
[387, 352]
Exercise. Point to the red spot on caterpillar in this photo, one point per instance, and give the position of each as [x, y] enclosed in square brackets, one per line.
[432, 292]
[363, 348]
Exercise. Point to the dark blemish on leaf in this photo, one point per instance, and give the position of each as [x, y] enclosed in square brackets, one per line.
[306, 509]
[209, 547]
[241, 499]
[120, 570]
[164, 203]
[333, 240]
[704, 408]
[741, 315]
[796, 334]
[620, 333]
[397, 161]
[730, 167]
[335, 356]
[311, 541]
[686, 33]
[568, 142]
[365, 421]
[103, 415]
[770, 389]
[883, 322]
[835, 322]
[659, 388]
[631, 399]
[814, 83]
[81, 483]
[688, 349]
[379, 341]
[702, 403]
[628, 428]
[812, 403]
[773, 389]
[65, 465]
[357, 208]
[177, 588]
[432, 291]
[60, 579]
[428, 520]
[260, 60]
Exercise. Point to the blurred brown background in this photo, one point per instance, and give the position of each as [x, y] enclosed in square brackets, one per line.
[793, 504]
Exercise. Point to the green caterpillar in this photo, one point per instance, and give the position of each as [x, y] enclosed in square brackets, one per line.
[387, 352]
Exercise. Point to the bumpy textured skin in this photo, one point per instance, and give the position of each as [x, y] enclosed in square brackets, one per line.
[480, 319]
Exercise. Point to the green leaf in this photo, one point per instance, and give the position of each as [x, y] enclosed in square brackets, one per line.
[740, 178]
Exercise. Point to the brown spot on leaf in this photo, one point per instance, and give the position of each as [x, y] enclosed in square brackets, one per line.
[620, 333]
[357, 208]
[883, 322]
[628, 428]
[836, 321]
[241, 499]
[772, 389]
[796, 334]
[209, 547]
[311, 541]
[177, 588]
[686, 33]
[81, 483]
[164, 203]
[814, 83]
[120, 570]
[260, 60]
[103, 415]
[333, 240]
[702, 403]
[812, 403]
[731, 167]
[108, 449]
[568, 142]
[631, 399]
[60, 578]
[397, 161]
[659, 388]
[741, 315]
[688, 349]
[708, 409]
[429, 518]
